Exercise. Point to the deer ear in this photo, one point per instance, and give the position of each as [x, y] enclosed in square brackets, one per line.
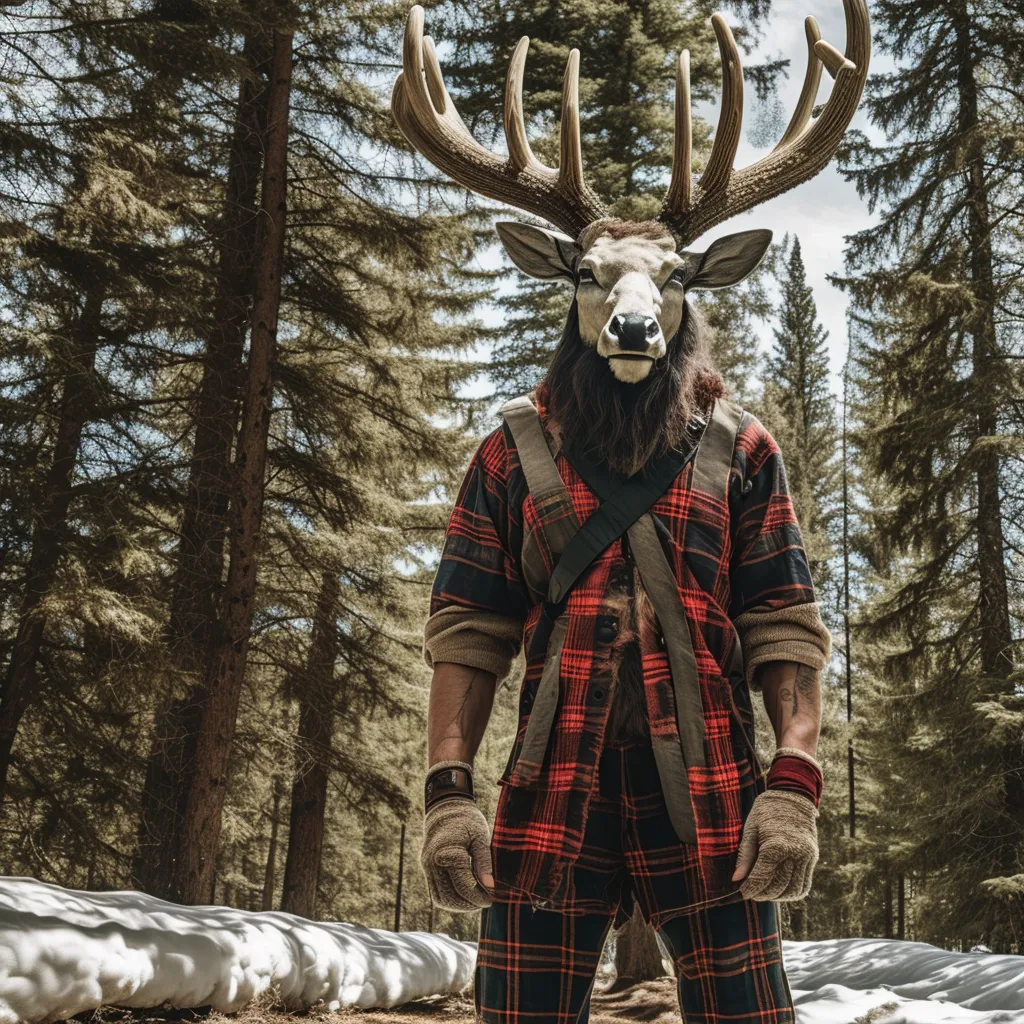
[538, 252]
[728, 260]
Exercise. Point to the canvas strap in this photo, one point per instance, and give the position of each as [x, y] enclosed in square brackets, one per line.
[624, 508]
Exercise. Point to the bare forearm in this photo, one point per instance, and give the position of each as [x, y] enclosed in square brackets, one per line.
[792, 697]
[460, 707]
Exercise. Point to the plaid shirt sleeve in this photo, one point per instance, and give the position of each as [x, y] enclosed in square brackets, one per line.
[478, 602]
[772, 597]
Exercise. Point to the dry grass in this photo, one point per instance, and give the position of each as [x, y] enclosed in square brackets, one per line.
[653, 1001]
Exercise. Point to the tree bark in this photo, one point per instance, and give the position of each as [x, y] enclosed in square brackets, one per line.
[225, 668]
[317, 693]
[270, 874]
[887, 897]
[798, 920]
[200, 555]
[847, 641]
[996, 633]
[637, 953]
[76, 403]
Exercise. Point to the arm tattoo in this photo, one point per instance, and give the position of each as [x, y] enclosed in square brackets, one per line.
[806, 681]
[467, 694]
[785, 695]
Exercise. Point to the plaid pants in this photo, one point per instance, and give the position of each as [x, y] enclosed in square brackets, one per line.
[539, 965]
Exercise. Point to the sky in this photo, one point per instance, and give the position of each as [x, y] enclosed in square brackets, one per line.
[826, 209]
[822, 211]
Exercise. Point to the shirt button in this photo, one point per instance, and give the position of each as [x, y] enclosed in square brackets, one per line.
[598, 694]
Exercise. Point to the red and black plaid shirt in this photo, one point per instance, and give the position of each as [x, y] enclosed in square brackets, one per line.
[731, 553]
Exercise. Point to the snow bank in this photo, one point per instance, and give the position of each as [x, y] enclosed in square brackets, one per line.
[843, 980]
[63, 951]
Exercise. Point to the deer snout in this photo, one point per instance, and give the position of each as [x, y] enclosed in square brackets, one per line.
[633, 331]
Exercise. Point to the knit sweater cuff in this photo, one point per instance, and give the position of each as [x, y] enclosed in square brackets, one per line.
[466, 636]
[793, 634]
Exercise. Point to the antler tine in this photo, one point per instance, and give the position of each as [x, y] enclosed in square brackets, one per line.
[730, 121]
[519, 152]
[678, 195]
[806, 146]
[809, 92]
[424, 111]
[435, 81]
[570, 158]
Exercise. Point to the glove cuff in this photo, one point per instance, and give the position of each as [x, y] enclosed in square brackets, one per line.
[447, 779]
[796, 772]
[797, 752]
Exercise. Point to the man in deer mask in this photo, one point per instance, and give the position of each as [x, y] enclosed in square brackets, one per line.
[630, 529]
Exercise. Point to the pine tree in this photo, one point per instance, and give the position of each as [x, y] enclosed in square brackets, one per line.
[364, 427]
[802, 414]
[936, 288]
[92, 269]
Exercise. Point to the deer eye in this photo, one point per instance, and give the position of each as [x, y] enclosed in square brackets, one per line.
[586, 276]
[679, 275]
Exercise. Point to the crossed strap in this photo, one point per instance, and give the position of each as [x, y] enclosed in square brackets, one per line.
[624, 509]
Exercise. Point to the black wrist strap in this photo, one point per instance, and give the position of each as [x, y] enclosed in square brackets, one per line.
[447, 781]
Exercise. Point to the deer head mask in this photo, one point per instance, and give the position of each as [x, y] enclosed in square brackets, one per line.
[631, 278]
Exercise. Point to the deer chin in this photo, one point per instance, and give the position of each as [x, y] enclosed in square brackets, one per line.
[630, 367]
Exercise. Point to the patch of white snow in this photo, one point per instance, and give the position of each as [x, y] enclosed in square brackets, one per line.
[63, 951]
[889, 981]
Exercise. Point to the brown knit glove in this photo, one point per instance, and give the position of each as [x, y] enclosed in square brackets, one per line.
[779, 847]
[456, 854]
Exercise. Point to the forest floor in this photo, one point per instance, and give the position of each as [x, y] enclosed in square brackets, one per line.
[652, 1003]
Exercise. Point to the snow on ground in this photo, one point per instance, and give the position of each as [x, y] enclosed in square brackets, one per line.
[63, 951]
[841, 980]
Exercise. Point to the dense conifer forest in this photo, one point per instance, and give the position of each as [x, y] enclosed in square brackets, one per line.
[250, 342]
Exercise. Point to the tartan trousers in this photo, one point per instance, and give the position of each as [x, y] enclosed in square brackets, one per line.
[539, 965]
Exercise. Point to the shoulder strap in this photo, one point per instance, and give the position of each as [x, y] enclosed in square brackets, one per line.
[618, 511]
[714, 457]
[534, 454]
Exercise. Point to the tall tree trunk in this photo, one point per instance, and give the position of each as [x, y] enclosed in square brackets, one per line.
[200, 562]
[317, 693]
[996, 633]
[76, 402]
[995, 629]
[270, 874]
[901, 907]
[887, 897]
[847, 644]
[200, 829]
[637, 953]
[798, 920]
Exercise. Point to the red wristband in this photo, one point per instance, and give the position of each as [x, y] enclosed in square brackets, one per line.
[796, 775]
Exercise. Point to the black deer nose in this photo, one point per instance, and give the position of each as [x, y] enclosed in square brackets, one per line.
[634, 330]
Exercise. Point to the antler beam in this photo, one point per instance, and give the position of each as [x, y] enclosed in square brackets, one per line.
[428, 119]
[805, 148]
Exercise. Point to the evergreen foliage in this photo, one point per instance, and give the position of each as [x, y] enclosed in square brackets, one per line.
[132, 142]
[115, 279]
[799, 406]
[938, 315]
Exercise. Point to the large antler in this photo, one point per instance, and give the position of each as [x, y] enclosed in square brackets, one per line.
[691, 208]
[428, 119]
